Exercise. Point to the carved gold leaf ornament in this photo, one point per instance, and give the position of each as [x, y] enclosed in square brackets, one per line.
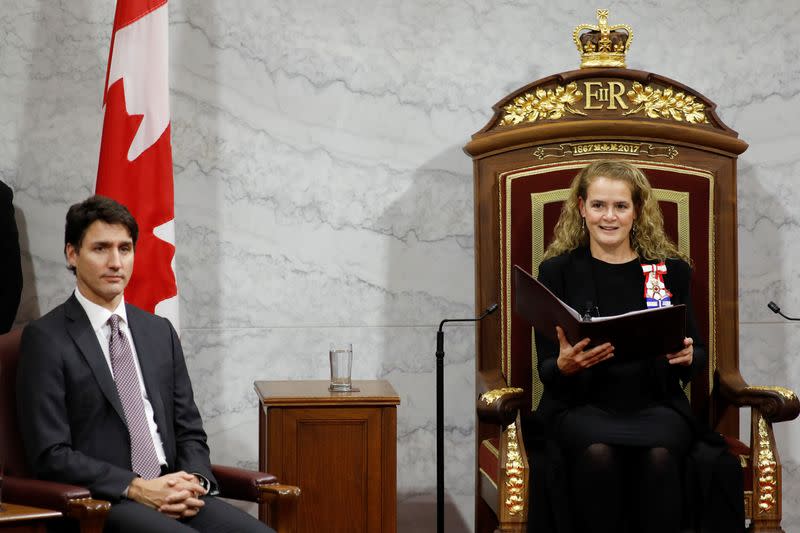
[543, 104]
[666, 103]
[515, 469]
[493, 395]
[783, 391]
[767, 470]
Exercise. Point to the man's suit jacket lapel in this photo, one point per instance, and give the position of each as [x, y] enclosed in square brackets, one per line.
[80, 329]
[148, 350]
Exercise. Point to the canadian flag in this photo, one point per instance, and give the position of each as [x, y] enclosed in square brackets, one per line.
[135, 152]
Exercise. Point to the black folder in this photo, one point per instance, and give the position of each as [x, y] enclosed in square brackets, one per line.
[656, 331]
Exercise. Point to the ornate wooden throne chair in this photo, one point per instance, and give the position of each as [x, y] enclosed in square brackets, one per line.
[524, 160]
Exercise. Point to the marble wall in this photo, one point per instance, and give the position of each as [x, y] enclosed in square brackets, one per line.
[322, 193]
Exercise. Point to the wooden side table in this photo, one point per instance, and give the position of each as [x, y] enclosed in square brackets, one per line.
[340, 448]
[16, 518]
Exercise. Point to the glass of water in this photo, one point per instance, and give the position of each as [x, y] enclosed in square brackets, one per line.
[341, 356]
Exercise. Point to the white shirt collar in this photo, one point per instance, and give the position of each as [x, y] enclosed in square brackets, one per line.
[99, 315]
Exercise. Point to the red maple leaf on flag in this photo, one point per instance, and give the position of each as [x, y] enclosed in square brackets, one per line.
[135, 166]
[141, 187]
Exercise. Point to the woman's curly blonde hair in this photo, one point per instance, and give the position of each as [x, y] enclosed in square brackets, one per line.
[648, 239]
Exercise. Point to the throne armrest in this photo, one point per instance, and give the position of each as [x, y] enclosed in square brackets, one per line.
[72, 501]
[776, 404]
[49, 494]
[251, 486]
[497, 402]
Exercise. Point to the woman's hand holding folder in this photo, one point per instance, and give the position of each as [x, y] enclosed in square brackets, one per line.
[572, 359]
[683, 357]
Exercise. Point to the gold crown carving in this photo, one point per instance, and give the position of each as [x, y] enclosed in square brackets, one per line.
[602, 45]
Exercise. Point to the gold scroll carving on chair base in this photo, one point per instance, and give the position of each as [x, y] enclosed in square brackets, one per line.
[606, 147]
[515, 470]
[767, 468]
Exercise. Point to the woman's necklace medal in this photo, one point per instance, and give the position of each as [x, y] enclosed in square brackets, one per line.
[655, 292]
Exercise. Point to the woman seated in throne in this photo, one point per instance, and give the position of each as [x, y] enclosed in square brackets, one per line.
[633, 455]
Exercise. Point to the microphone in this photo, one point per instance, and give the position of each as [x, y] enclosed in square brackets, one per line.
[488, 311]
[777, 310]
[440, 412]
[587, 316]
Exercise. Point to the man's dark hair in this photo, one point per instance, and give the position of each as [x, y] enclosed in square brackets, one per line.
[80, 216]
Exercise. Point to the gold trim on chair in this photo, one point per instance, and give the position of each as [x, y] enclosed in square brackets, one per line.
[712, 264]
[513, 473]
[767, 467]
[538, 201]
[681, 200]
[493, 395]
[506, 254]
[783, 391]
[487, 477]
[491, 447]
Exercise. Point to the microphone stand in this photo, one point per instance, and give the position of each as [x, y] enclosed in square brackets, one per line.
[440, 412]
[775, 309]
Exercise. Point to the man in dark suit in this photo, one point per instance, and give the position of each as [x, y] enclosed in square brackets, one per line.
[104, 397]
[10, 268]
